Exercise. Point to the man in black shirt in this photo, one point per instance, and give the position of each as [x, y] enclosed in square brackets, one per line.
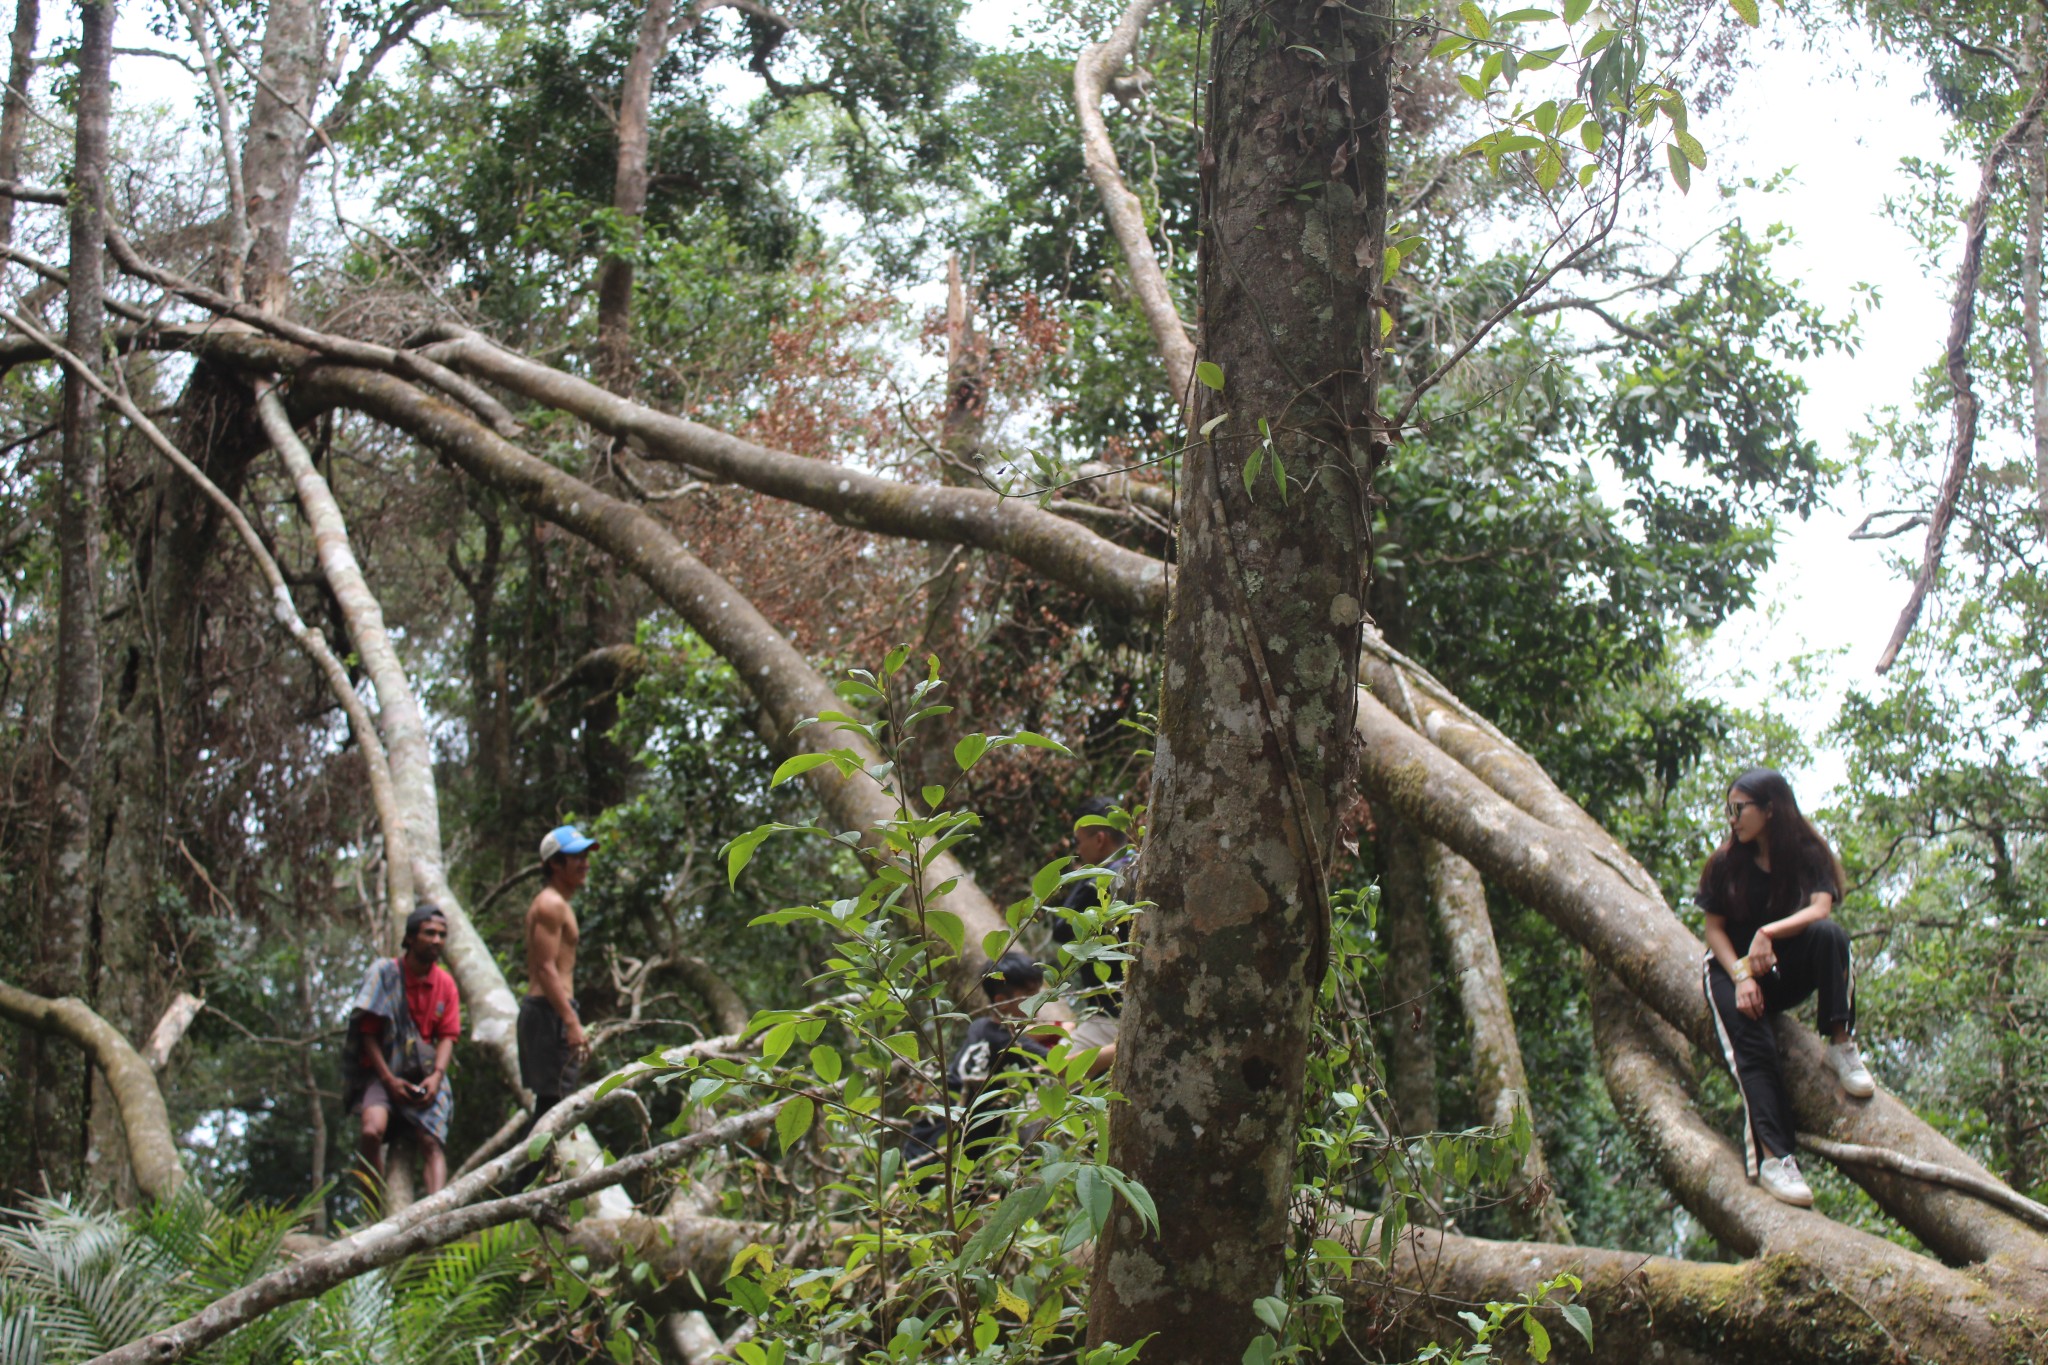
[992, 1047]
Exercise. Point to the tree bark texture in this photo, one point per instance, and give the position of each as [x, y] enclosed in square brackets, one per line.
[629, 200]
[1126, 214]
[2030, 283]
[152, 1151]
[1411, 978]
[61, 1083]
[1260, 654]
[273, 166]
[14, 106]
[1500, 1085]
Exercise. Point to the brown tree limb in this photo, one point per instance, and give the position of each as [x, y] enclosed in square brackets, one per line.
[1962, 317]
[317, 1273]
[1057, 547]
[152, 1150]
[1097, 64]
[14, 116]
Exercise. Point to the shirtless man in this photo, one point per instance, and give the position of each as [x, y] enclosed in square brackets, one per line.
[552, 1046]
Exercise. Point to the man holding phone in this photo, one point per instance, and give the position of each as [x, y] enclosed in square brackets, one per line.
[401, 1034]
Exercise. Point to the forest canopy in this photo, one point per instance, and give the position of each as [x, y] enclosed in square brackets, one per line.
[1108, 616]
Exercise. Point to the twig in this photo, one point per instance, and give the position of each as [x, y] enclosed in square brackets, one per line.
[1988, 1190]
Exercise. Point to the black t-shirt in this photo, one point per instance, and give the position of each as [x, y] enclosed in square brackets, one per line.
[1743, 899]
[990, 1049]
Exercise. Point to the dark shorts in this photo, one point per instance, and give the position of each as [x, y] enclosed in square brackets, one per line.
[431, 1119]
[546, 1065]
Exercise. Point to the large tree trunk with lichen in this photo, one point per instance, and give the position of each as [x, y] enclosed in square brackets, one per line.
[1259, 652]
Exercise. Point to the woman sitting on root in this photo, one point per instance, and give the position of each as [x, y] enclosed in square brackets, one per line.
[1768, 892]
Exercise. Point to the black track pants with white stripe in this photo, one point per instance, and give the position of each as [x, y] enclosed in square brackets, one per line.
[1815, 962]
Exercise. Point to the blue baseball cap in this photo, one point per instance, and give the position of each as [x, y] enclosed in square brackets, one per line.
[564, 841]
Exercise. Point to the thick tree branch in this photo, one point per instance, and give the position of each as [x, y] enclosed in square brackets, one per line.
[170, 1030]
[152, 1151]
[316, 1274]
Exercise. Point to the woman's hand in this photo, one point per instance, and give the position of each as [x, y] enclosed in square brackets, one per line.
[1749, 998]
[1763, 954]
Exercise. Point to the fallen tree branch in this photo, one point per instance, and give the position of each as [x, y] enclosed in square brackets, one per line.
[1962, 317]
[1991, 1191]
[316, 1274]
[152, 1151]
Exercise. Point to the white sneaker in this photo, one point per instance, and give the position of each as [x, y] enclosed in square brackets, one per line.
[1779, 1175]
[1850, 1070]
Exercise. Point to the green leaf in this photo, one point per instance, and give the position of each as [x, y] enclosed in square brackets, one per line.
[1526, 16]
[1545, 117]
[1587, 172]
[619, 1346]
[1280, 475]
[1681, 170]
[826, 1062]
[1214, 422]
[995, 943]
[795, 1120]
[1046, 880]
[1018, 1208]
[1390, 263]
[538, 1148]
[1539, 1340]
[777, 1040]
[740, 852]
[1260, 1352]
[1575, 10]
[1032, 739]
[1690, 145]
[1386, 324]
[1210, 373]
[1548, 167]
[1272, 1311]
[1746, 11]
[1476, 22]
[948, 927]
[1569, 120]
[1590, 136]
[1598, 41]
[1472, 86]
[1452, 44]
[800, 764]
[969, 750]
[933, 796]
[1580, 1319]
[1252, 465]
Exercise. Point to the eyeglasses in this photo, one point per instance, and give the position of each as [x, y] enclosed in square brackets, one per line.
[1735, 808]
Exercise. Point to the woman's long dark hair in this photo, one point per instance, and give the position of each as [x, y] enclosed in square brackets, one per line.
[1796, 849]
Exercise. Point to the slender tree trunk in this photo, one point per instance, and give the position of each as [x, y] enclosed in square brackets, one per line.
[14, 107]
[273, 164]
[629, 200]
[62, 954]
[2030, 277]
[1404, 917]
[1500, 1085]
[1260, 656]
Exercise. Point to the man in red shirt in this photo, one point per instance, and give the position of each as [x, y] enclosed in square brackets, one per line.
[401, 1034]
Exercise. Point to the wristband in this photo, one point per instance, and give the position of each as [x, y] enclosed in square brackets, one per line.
[1742, 972]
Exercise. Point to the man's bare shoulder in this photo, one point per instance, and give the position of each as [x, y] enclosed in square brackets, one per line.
[548, 908]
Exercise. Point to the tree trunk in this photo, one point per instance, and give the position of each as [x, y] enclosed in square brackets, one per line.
[2030, 273]
[14, 106]
[1411, 977]
[273, 164]
[1500, 1086]
[1260, 655]
[68, 929]
[629, 201]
